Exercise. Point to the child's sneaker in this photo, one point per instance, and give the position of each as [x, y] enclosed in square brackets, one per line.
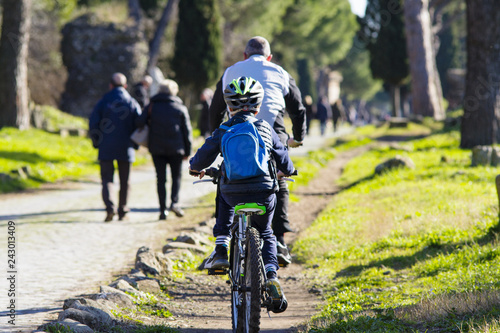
[280, 303]
[218, 259]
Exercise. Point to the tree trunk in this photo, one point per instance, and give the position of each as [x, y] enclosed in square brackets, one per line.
[134, 10]
[425, 84]
[396, 100]
[14, 93]
[154, 47]
[482, 95]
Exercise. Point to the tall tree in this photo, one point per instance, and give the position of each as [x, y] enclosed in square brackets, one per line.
[244, 19]
[318, 30]
[383, 30]
[480, 123]
[14, 93]
[358, 83]
[198, 44]
[426, 89]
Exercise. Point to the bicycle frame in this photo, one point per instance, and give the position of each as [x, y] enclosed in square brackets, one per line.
[246, 270]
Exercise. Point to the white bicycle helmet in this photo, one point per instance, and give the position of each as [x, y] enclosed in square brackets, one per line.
[244, 94]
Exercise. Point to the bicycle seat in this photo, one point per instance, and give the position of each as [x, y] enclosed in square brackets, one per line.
[250, 208]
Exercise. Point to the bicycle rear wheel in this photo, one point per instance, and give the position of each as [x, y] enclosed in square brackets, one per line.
[254, 280]
[237, 295]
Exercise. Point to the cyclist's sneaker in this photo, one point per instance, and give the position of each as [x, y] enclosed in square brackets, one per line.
[284, 257]
[280, 303]
[217, 259]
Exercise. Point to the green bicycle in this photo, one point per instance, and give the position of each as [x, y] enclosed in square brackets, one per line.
[246, 271]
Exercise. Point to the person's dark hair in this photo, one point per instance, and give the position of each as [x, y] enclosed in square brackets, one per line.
[258, 45]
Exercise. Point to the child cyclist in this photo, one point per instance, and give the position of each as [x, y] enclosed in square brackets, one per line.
[243, 97]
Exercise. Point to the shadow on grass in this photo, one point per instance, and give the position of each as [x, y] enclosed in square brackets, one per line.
[400, 138]
[26, 157]
[18, 218]
[430, 251]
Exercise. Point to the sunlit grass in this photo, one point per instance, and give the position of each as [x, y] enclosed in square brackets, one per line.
[398, 252]
[48, 156]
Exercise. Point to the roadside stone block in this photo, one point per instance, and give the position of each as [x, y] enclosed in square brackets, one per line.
[149, 285]
[123, 286]
[92, 313]
[481, 155]
[116, 296]
[396, 162]
[186, 246]
[193, 238]
[153, 263]
[75, 326]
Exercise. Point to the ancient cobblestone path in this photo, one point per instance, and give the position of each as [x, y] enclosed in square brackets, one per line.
[62, 244]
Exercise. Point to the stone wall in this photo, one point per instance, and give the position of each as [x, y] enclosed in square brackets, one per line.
[92, 51]
[46, 74]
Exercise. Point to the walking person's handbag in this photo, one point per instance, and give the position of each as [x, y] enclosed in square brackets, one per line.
[141, 135]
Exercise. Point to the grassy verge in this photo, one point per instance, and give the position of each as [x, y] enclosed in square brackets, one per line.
[411, 250]
[47, 157]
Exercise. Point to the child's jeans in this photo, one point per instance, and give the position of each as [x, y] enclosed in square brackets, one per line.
[260, 222]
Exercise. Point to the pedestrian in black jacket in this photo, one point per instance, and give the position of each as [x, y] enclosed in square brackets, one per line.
[110, 125]
[140, 91]
[169, 141]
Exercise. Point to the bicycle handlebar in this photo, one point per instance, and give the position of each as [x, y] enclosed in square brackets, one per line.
[214, 173]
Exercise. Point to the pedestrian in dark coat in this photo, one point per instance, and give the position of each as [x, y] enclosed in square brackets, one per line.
[140, 91]
[337, 113]
[110, 125]
[169, 141]
[204, 118]
[308, 104]
[323, 113]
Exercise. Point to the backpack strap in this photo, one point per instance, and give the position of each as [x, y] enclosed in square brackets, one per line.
[251, 120]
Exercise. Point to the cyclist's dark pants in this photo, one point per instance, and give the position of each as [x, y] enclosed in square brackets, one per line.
[280, 219]
[260, 222]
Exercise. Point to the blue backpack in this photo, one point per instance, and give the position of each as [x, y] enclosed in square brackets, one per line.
[244, 151]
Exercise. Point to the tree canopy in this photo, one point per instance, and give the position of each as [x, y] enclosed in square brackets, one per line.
[197, 57]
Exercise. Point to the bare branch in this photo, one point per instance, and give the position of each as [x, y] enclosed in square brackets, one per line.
[154, 48]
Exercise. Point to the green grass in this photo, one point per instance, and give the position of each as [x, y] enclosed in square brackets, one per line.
[56, 119]
[412, 249]
[49, 157]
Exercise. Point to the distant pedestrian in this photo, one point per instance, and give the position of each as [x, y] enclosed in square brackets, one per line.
[337, 113]
[169, 141]
[140, 91]
[323, 113]
[308, 104]
[204, 118]
[110, 125]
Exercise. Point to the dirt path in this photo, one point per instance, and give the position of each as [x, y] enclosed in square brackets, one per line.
[201, 303]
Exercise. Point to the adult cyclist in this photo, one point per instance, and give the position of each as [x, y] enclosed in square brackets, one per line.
[281, 94]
